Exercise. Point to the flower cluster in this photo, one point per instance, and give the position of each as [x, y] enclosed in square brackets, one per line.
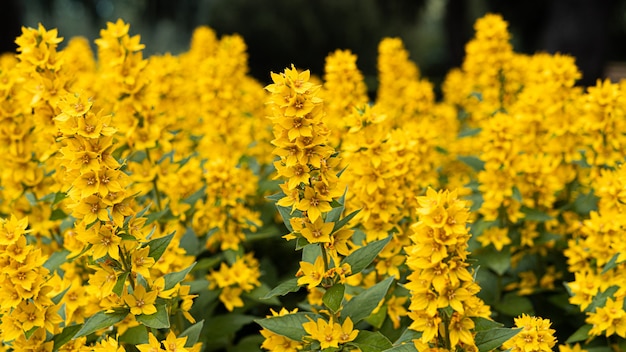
[443, 291]
[535, 336]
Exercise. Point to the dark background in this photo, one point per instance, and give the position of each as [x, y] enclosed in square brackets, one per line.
[303, 32]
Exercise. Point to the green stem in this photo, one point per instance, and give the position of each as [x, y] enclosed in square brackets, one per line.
[154, 184]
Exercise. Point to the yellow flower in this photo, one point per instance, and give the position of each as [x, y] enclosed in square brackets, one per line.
[173, 344]
[347, 333]
[318, 231]
[141, 262]
[11, 230]
[313, 204]
[231, 297]
[327, 333]
[312, 274]
[536, 335]
[140, 301]
[153, 345]
[495, 235]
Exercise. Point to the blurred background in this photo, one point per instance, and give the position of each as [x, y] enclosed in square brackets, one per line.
[303, 32]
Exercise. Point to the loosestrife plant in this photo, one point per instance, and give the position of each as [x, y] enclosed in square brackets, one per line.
[136, 201]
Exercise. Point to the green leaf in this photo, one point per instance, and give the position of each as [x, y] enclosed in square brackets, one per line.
[535, 214]
[289, 325]
[101, 320]
[473, 162]
[58, 197]
[482, 324]
[517, 195]
[158, 246]
[152, 217]
[600, 299]
[377, 319]
[408, 335]
[258, 294]
[283, 288]
[57, 214]
[221, 326]
[407, 347]
[362, 305]
[56, 259]
[56, 299]
[581, 334]
[30, 332]
[585, 203]
[514, 305]
[275, 197]
[136, 335]
[335, 213]
[65, 336]
[158, 320]
[611, 264]
[311, 252]
[488, 340]
[341, 223]
[369, 341]
[192, 333]
[362, 257]
[190, 242]
[498, 261]
[120, 283]
[467, 132]
[287, 214]
[333, 297]
[171, 279]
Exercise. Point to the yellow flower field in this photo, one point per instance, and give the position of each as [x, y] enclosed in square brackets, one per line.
[174, 203]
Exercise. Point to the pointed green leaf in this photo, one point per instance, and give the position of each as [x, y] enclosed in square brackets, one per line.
[56, 299]
[219, 328]
[498, 261]
[258, 294]
[369, 341]
[517, 195]
[101, 320]
[283, 288]
[378, 318]
[600, 299]
[611, 264]
[286, 214]
[482, 324]
[136, 335]
[120, 283]
[30, 332]
[333, 297]
[473, 162]
[488, 340]
[408, 335]
[158, 320]
[311, 252]
[514, 305]
[289, 325]
[535, 214]
[276, 197]
[65, 336]
[341, 223]
[192, 333]
[362, 305]
[158, 246]
[581, 334]
[171, 279]
[407, 347]
[56, 259]
[338, 209]
[362, 257]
